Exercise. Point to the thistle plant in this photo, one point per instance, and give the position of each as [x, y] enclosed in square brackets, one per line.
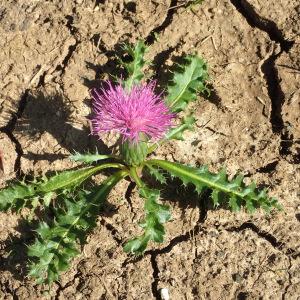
[142, 120]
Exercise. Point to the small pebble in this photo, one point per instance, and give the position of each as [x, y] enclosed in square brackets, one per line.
[164, 294]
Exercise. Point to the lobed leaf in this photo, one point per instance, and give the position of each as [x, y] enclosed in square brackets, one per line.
[156, 174]
[135, 66]
[57, 243]
[234, 193]
[156, 215]
[19, 195]
[176, 133]
[189, 80]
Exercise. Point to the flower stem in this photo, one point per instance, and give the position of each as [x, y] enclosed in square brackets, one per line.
[135, 177]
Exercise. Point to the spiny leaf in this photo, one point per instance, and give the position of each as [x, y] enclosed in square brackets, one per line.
[57, 243]
[89, 157]
[10, 195]
[176, 133]
[135, 66]
[137, 245]
[156, 174]
[156, 215]
[18, 195]
[215, 197]
[235, 193]
[189, 80]
[73, 178]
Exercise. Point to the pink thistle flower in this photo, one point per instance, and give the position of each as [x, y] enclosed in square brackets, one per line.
[139, 112]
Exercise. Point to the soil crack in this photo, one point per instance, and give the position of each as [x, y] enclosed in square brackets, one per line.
[10, 127]
[277, 98]
[68, 284]
[268, 26]
[150, 39]
[275, 92]
[175, 241]
[269, 68]
[112, 230]
[178, 239]
[155, 275]
[186, 236]
[72, 48]
[266, 236]
[289, 281]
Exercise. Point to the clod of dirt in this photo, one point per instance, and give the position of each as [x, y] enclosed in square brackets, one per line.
[8, 158]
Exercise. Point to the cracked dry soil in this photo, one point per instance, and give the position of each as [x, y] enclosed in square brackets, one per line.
[53, 52]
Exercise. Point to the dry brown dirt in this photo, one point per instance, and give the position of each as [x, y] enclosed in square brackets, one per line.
[53, 52]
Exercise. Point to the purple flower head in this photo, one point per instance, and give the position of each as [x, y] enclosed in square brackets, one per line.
[133, 114]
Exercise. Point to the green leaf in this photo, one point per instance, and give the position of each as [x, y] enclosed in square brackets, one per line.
[193, 3]
[235, 193]
[135, 66]
[161, 212]
[176, 133]
[18, 195]
[233, 203]
[154, 230]
[156, 174]
[215, 197]
[57, 243]
[72, 178]
[137, 245]
[89, 157]
[10, 195]
[189, 80]
[47, 198]
[156, 215]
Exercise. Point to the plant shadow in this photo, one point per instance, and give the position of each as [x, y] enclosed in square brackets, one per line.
[51, 114]
[164, 75]
[184, 197]
[13, 250]
[112, 67]
[16, 247]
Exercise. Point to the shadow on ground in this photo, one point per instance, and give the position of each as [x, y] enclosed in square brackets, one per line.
[52, 114]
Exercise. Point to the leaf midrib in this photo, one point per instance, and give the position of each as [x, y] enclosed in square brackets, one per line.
[183, 90]
[107, 184]
[80, 178]
[172, 166]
